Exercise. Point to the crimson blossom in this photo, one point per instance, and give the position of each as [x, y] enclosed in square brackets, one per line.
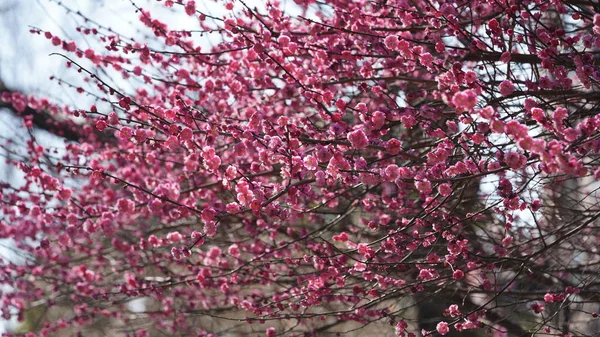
[328, 167]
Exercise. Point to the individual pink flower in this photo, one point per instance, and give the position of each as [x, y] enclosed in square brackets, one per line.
[190, 8]
[424, 186]
[284, 40]
[464, 100]
[232, 208]
[90, 54]
[358, 139]
[214, 252]
[505, 57]
[359, 266]
[538, 114]
[64, 194]
[70, 46]
[174, 237]
[393, 146]
[378, 119]
[426, 59]
[426, 274]
[271, 332]
[445, 189]
[391, 42]
[176, 253]
[458, 275]
[507, 241]
[506, 88]
[453, 310]
[342, 237]
[140, 135]
[234, 250]
[515, 128]
[560, 115]
[186, 134]
[515, 160]
[125, 206]
[125, 133]
[361, 107]
[101, 125]
[392, 172]
[442, 328]
[154, 241]
[401, 326]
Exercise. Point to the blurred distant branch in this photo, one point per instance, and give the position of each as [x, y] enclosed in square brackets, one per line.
[43, 120]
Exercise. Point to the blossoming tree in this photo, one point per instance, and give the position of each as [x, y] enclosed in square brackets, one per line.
[411, 167]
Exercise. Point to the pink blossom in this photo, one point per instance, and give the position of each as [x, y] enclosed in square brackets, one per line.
[426, 59]
[284, 40]
[125, 133]
[393, 146]
[427, 274]
[214, 252]
[454, 311]
[279, 170]
[342, 237]
[507, 241]
[515, 160]
[458, 275]
[378, 119]
[186, 134]
[401, 326]
[190, 8]
[125, 205]
[64, 194]
[424, 186]
[358, 139]
[392, 172]
[101, 125]
[560, 115]
[537, 308]
[359, 266]
[538, 114]
[465, 100]
[442, 328]
[445, 189]
[506, 88]
[234, 250]
[391, 42]
[174, 237]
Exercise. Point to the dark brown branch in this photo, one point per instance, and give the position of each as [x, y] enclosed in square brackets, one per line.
[42, 120]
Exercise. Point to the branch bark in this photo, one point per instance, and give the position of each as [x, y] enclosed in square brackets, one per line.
[43, 120]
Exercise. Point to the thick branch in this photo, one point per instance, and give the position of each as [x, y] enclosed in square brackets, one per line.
[43, 120]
